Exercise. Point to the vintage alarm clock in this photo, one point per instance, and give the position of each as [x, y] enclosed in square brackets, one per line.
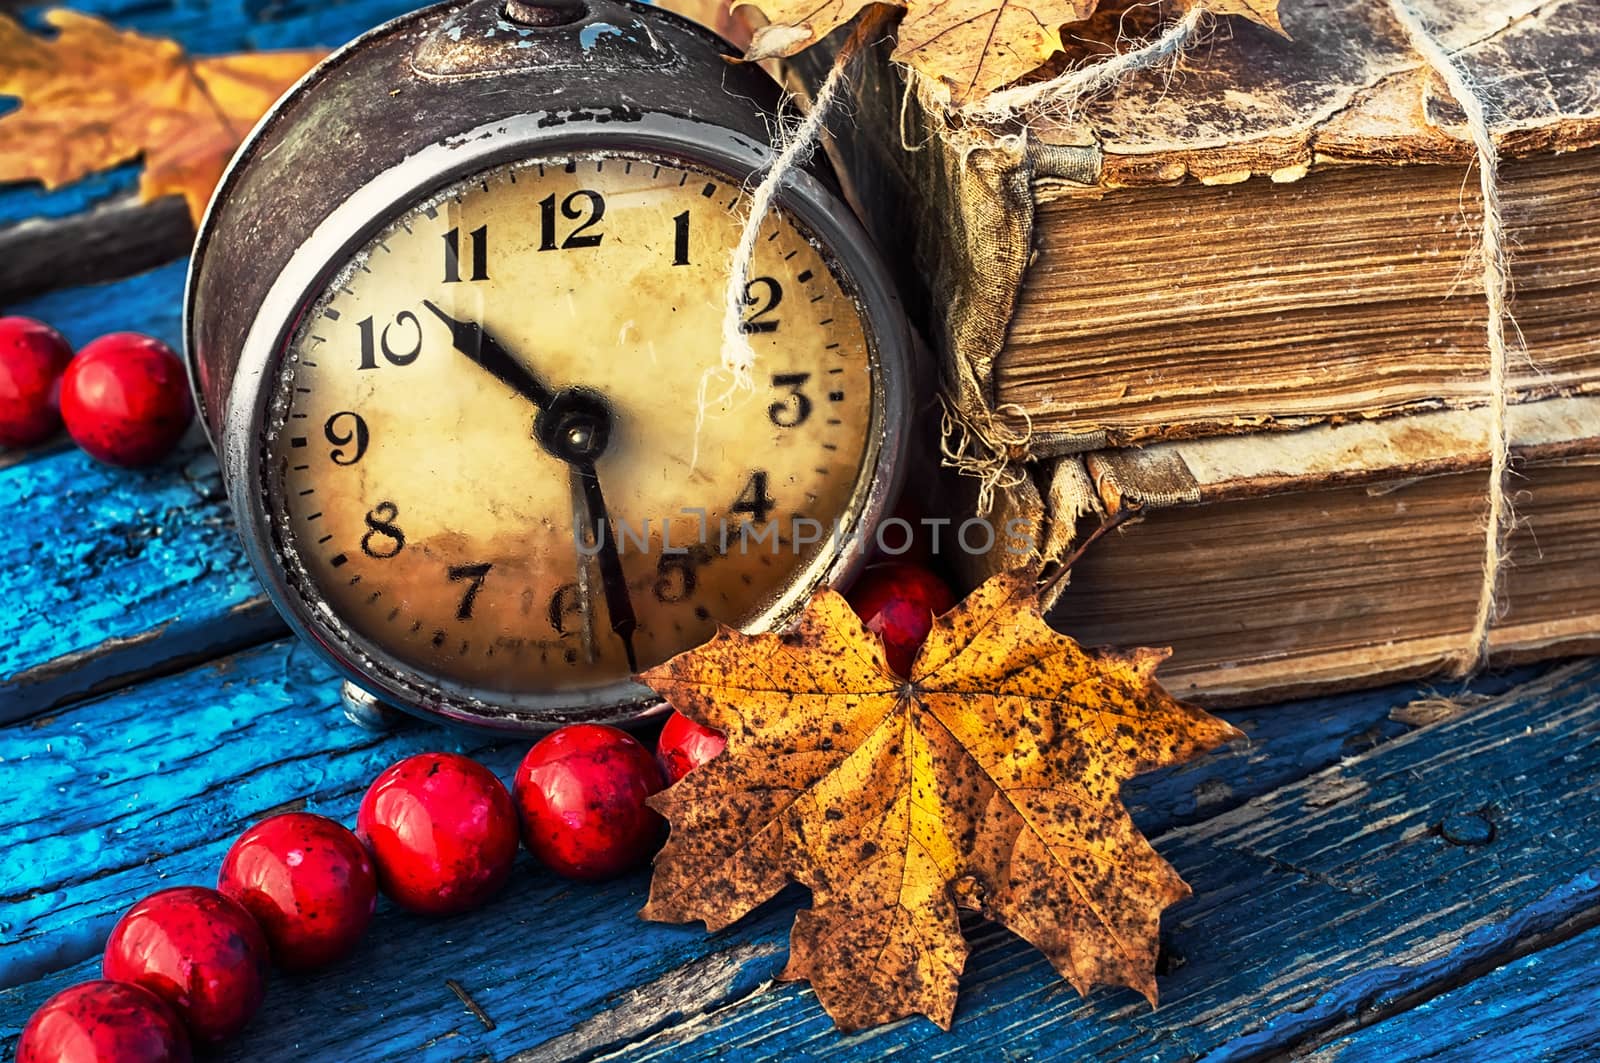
[454, 324]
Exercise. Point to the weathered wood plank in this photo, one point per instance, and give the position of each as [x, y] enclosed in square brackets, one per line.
[150, 302]
[1545, 1006]
[105, 801]
[111, 239]
[1313, 902]
[551, 960]
[109, 574]
[133, 803]
[95, 230]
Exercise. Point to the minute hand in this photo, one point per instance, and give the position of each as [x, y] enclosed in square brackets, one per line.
[472, 340]
[612, 578]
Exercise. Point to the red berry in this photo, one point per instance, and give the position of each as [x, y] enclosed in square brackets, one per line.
[125, 399]
[581, 791]
[198, 951]
[103, 1022]
[899, 602]
[32, 358]
[442, 831]
[684, 745]
[308, 882]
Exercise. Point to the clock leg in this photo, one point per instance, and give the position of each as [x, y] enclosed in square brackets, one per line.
[366, 711]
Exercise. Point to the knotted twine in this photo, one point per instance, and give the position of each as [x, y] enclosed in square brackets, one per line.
[1496, 289]
[981, 443]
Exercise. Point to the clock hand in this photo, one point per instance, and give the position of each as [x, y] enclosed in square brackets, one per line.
[585, 536]
[471, 340]
[618, 604]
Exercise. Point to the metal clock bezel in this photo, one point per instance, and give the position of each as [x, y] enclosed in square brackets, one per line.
[818, 212]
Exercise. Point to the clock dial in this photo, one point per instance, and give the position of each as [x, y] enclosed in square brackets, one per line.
[502, 449]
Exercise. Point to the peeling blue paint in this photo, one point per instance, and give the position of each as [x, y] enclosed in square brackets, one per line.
[595, 32]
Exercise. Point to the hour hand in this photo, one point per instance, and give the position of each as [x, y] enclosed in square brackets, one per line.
[470, 339]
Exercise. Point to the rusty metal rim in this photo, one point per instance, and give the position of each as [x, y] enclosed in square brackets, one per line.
[429, 170]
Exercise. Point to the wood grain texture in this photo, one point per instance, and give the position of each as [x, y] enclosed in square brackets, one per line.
[111, 239]
[95, 229]
[109, 574]
[1313, 902]
[1545, 1006]
[114, 573]
[138, 797]
[149, 302]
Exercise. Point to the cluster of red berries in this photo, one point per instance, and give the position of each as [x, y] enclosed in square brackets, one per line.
[124, 397]
[437, 833]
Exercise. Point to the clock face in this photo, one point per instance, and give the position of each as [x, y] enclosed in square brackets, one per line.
[502, 450]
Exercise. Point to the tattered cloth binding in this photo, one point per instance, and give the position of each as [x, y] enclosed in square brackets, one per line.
[1336, 556]
[1270, 234]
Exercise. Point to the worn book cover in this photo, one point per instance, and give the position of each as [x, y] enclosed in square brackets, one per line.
[1252, 239]
[1340, 555]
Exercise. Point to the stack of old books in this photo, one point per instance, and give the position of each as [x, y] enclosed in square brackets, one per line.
[1245, 296]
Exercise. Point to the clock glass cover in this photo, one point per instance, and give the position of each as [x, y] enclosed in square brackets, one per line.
[501, 448]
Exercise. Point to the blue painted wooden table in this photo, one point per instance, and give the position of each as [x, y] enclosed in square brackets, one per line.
[1375, 877]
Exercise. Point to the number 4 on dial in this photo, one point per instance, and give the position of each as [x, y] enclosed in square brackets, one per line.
[754, 499]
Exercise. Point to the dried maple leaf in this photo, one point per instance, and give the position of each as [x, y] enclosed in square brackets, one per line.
[990, 779]
[96, 96]
[970, 47]
[719, 16]
[1264, 12]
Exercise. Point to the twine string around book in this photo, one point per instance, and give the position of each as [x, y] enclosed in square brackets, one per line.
[1064, 93]
[1494, 254]
[976, 451]
[737, 362]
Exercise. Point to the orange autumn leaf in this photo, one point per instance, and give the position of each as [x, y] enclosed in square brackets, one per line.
[96, 96]
[968, 47]
[1264, 12]
[990, 779]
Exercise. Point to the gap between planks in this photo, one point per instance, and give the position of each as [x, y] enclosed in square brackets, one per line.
[1470, 950]
[1392, 1007]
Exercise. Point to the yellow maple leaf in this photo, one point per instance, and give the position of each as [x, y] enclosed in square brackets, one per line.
[970, 47]
[96, 96]
[990, 778]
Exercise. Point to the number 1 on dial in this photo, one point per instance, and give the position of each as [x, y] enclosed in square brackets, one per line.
[680, 239]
